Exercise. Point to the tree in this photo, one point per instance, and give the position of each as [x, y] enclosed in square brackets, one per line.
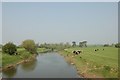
[30, 46]
[9, 48]
[117, 45]
[106, 45]
[83, 44]
[37, 45]
[67, 45]
[80, 44]
[73, 43]
[0, 45]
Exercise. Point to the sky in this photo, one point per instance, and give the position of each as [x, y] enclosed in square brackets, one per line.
[59, 0]
[54, 22]
[0, 22]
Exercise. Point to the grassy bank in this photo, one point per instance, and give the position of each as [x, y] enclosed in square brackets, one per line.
[13, 59]
[43, 50]
[23, 55]
[90, 63]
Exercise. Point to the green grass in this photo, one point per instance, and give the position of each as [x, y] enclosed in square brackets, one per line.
[106, 59]
[12, 59]
[43, 50]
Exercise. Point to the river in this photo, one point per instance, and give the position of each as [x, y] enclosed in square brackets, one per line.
[46, 65]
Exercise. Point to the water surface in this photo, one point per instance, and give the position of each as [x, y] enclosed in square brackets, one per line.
[47, 65]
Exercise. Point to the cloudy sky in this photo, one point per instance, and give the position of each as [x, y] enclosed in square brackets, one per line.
[54, 22]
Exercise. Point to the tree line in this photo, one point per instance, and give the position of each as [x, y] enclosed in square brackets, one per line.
[81, 44]
[31, 46]
[11, 48]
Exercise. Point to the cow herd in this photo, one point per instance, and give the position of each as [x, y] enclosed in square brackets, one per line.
[98, 49]
[76, 52]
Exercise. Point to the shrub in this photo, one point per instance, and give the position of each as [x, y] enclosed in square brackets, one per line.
[117, 45]
[106, 45]
[29, 45]
[107, 68]
[9, 48]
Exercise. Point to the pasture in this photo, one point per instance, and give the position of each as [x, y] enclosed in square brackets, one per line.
[43, 50]
[8, 59]
[91, 63]
[23, 54]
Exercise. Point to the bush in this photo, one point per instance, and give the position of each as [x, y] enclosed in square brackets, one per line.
[117, 45]
[9, 48]
[106, 45]
[30, 46]
[107, 68]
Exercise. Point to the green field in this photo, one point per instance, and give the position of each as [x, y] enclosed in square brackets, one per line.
[102, 63]
[90, 63]
[42, 50]
[8, 59]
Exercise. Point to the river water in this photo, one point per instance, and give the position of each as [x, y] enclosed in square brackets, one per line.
[46, 65]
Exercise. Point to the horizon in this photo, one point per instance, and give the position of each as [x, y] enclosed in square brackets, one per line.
[57, 22]
[77, 43]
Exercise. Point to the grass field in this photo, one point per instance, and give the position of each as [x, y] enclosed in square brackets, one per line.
[90, 63]
[102, 63]
[42, 50]
[8, 59]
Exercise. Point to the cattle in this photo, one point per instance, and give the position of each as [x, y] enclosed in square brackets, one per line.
[96, 49]
[77, 52]
[16, 53]
[74, 51]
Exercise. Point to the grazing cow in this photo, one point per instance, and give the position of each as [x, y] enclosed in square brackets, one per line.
[96, 49]
[79, 51]
[74, 51]
[16, 53]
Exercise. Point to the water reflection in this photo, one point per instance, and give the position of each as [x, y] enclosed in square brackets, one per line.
[49, 65]
[10, 72]
[29, 66]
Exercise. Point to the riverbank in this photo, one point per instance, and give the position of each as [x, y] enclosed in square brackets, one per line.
[20, 62]
[92, 69]
[10, 61]
[71, 60]
[43, 50]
